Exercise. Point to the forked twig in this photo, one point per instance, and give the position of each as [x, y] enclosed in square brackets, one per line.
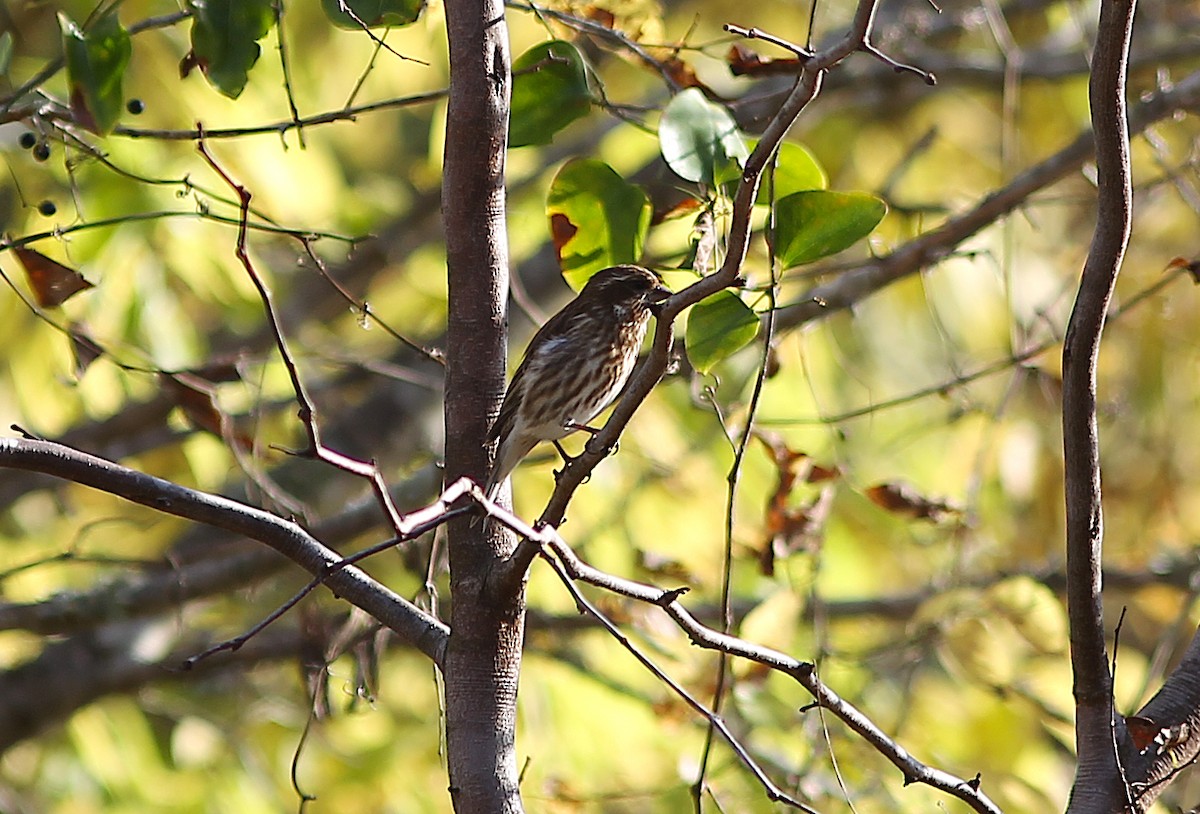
[306, 412]
[416, 523]
[546, 538]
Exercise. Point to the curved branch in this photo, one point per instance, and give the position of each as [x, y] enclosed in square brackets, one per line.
[413, 625]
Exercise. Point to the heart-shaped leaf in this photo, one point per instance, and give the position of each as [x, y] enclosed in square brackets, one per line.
[550, 90]
[700, 140]
[815, 224]
[597, 219]
[718, 327]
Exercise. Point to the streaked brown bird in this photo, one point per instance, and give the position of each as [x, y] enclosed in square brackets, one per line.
[576, 365]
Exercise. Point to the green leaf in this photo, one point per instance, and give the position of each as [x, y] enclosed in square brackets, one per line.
[372, 13]
[96, 61]
[225, 35]
[718, 327]
[597, 219]
[550, 90]
[816, 224]
[700, 140]
[6, 52]
[796, 170]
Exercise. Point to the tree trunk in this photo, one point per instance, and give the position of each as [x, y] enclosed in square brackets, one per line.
[483, 658]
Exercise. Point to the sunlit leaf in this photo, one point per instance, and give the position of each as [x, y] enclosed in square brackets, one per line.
[815, 224]
[96, 61]
[51, 281]
[796, 170]
[718, 327]
[700, 140]
[354, 14]
[597, 219]
[550, 90]
[225, 35]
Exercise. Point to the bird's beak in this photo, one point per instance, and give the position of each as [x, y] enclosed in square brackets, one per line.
[657, 296]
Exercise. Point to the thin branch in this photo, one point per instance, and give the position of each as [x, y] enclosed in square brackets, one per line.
[733, 478]
[286, 68]
[307, 412]
[279, 128]
[990, 369]
[714, 719]
[418, 522]
[545, 537]
[917, 255]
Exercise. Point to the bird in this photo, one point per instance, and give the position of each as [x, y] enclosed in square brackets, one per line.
[575, 365]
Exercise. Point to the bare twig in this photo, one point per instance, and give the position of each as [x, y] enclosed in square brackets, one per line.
[286, 68]
[307, 413]
[279, 128]
[544, 537]
[714, 719]
[416, 523]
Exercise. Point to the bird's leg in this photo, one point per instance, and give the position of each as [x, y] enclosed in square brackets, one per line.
[573, 426]
[567, 460]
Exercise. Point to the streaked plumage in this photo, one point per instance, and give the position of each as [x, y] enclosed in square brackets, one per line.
[576, 365]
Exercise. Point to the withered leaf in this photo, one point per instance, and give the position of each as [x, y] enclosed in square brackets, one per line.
[793, 528]
[196, 398]
[51, 281]
[745, 62]
[83, 349]
[901, 498]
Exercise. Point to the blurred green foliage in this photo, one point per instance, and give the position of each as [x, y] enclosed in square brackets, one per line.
[937, 617]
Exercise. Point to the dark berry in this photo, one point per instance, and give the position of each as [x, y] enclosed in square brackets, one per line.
[47, 208]
[27, 140]
[135, 106]
[41, 151]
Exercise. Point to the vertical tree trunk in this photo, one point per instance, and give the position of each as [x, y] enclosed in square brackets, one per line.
[1100, 786]
[483, 658]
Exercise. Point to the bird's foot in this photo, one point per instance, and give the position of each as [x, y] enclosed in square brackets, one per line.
[567, 461]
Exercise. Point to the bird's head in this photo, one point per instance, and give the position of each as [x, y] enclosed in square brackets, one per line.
[626, 285]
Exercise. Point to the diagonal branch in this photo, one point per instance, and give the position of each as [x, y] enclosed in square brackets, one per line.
[413, 625]
[507, 579]
[546, 540]
[918, 254]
